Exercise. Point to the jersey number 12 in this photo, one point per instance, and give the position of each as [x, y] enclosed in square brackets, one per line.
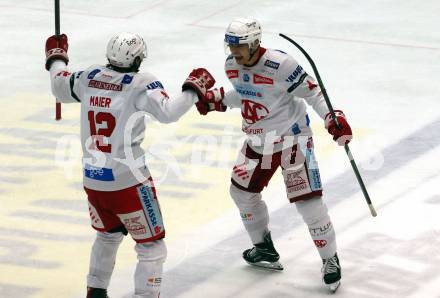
[97, 136]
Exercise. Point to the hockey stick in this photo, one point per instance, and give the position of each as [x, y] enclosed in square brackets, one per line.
[57, 33]
[332, 113]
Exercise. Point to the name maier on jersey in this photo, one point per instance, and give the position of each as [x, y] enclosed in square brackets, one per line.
[120, 191]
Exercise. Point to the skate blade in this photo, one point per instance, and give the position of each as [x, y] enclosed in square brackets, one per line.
[334, 286]
[267, 265]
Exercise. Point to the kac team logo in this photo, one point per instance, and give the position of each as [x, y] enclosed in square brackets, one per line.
[252, 111]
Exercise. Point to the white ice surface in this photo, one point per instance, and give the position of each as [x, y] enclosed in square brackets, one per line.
[380, 62]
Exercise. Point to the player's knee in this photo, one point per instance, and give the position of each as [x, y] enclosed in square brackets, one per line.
[313, 210]
[243, 198]
[151, 251]
[110, 238]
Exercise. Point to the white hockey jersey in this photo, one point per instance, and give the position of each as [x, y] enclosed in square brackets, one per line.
[270, 95]
[113, 106]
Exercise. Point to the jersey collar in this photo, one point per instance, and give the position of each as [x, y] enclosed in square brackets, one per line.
[261, 52]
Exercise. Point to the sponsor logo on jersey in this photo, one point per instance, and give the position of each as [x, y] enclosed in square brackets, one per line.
[155, 85]
[295, 129]
[151, 207]
[93, 73]
[127, 79]
[253, 111]
[106, 76]
[248, 92]
[232, 73]
[262, 80]
[298, 70]
[320, 243]
[101, 174]
[246, 77]
[105, 86]
[271, 64]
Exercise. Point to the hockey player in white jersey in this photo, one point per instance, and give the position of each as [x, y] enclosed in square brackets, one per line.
[121, 195]
[272, 90]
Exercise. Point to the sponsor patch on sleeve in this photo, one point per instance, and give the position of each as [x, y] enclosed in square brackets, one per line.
[93, 73]
[127, 79]
[295, 74]
[155, 85]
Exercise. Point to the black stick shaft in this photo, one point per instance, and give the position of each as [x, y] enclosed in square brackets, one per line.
[57, 33]
[57, 17]
[332, 113]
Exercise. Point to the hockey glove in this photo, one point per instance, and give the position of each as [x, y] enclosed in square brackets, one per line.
[200, 81]
[341, 135]
[212, 101]
[56, 49]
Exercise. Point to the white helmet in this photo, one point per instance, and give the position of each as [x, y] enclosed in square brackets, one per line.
[123, 48]
[243, 31]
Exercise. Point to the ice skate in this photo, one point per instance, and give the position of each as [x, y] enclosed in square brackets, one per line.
[263, 255]
[331, 273]
[96, 293]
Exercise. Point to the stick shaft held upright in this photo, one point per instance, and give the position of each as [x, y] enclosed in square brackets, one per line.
[57, 33]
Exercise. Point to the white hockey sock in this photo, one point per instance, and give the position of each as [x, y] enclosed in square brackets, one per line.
[102, 259]
[253, 212]
[315, 215]
[148, 274]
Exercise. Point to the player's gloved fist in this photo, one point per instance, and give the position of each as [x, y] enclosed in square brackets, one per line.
[56, 49]
[199, 80]
[212, 101]
[341, 135]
